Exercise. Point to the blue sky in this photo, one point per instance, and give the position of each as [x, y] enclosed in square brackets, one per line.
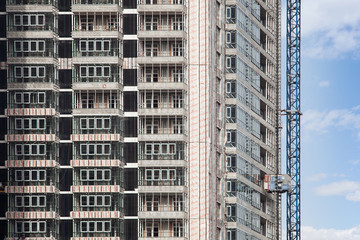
[331, 122]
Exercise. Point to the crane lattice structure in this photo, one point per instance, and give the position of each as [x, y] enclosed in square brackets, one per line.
[293, 118]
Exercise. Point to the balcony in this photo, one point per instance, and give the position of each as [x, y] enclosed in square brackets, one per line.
[106, 25]
[162, 78]
[97, 102]
[36, 25]
[31, 5]
[169, 27]
[162, 52]
[161, 129]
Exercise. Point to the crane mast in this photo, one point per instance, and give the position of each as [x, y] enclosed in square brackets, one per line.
[293, 117]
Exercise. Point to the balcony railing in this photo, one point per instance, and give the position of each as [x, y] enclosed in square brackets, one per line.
[95, 2]
[177, 182]
[161, 2]
[33, 2]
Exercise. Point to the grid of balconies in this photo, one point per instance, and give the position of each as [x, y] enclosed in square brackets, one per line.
[32, 111]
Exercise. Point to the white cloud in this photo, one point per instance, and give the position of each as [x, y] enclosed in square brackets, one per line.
[349, 189]
[324, 84]
[331, 27]
[311, 233]
[322, 121]
[317, 177]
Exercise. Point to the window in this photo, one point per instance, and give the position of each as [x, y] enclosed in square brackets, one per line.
[30, 149]
[178, 75]
[30, 201]
[30, 123]
[230, 64]
[95, 149]
[151, 23]
[95, 200]
[30, 226]
[160, 149]
[92, 71]
[177, 23]
[152, 75]
[152, 229]
[29, 97]
[95, 226]
[160, 174]
[151, 49]
[95, 175]
[230, 14]
[29, 46]
[29, 72]
[178, 229]
[95, 123]
[95, 46]
[177, 49]
[230, 114]
[30, 175]
[231, 39]
[29, 20]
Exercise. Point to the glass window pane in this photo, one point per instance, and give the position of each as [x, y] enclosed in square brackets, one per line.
[83, 174]
[34, 227]
[91, 200]
[83, 200]
[82, 45]
[99, 149]
[83, 149]
[42, 201]
[107, 149]
[41, 98]
[42, 175]
[90, 46]
[99, 201]
[34, 123]
[41, 46]
[17, 20]
[107, 201]
[91, 226]
[91, 71]
[91, 175]
[18, 201]
[41, 19]
[106, 123]
[106, 45]
[34, 201]
[83, 71]
[99, 227]
[26, 201]
[34, 176]
[41, 72]
[25, 46]
[26, 98]
[25, 19]
[33, 46]
[98, 46]
[98, 71]
[99, 175]
[33, 20]
[42, 227]
[26, 176]
[91, 122]
[83, 124]
[107, 175]
[106, 72]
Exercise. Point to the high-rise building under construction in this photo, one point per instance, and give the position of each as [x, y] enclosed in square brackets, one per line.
[139, 119]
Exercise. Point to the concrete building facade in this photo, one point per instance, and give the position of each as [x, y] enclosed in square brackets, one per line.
[139, 119]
